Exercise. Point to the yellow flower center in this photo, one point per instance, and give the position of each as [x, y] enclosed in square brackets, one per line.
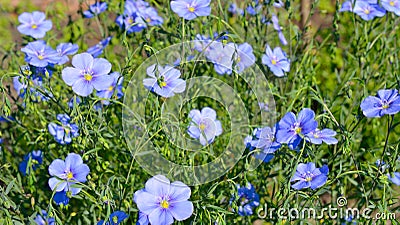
[238, 59]
[366, 11]
[148, 20]
[27, 72]
[308, 179]
[202, 126]
[34, 161]
[191, 9]
[385, 106]
[297, 130]
[34, 26]
[40, 57]
[88, 77]
[70, 175]
[66, 130]
[316, 135]
[115, 219]
[273, 62]
[391, 3]
[163, 84]
[164, 204]
[110, 88]
[130, 21]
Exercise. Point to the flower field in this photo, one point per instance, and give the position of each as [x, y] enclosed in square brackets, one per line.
[200, 112]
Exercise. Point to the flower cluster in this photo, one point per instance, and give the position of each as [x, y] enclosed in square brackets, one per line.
[137, 16]
[369, 9]
[31, 161]
[64, 132]
[31, 80]
[247, 199]
[292, 130]
[163, 202]
[226, 57]
[265, 140]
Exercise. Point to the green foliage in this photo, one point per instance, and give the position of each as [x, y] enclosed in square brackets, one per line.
[333, 68]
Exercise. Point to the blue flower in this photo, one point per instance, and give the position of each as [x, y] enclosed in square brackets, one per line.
[244, 57]
[95, 9]
[65, 49]
[254, 8]
[350, 219]
[221, 56]
[264, 106]
[318, 136]
[248, 199]
[6, 119]
[395, 178]
[131, 23]
[386, 102]
[391, 6]
[247, 142]
[38, 54]
[63, 133]
[234, 9]
[291, 130]
[143, 219]
[33, 159]
[308, 176]
[163, 201]
[137, 14]
[61, 198]
[278, 4]
[87, 73]
[68, 173]
[34, 24]
[75, 99]
[204, 125]
[97, 50]
[115, 218]
[150, 16]
[346, 6]
[190, 9]
[276, 60]
[34, 83]
[368, 11]
[275, 23]
[382, 166]
[164, 81]
[115, 86]
[264, 139]
[44, 219]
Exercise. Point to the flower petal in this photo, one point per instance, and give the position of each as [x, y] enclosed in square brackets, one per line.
[181, 210]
